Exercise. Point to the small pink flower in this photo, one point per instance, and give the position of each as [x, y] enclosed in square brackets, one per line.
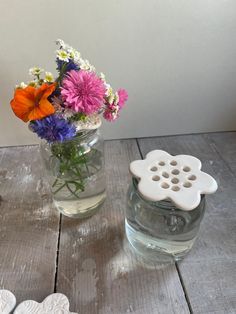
[111, 112]
[83, 91]
[123, 96]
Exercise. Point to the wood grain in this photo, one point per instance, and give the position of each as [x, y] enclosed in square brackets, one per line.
[225, 145]
[96, 269]
[208, 272]
[28, 225]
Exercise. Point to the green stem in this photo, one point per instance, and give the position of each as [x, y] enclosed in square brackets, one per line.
[62, 72]
[61, 187]
[54, 183]
[72, 192]
[72, 163]
[87, 168]
[94, 167]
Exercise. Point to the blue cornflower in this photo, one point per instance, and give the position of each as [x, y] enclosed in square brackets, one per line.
[53, 128]
[68, 66]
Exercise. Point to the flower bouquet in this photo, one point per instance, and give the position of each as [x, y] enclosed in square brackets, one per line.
[66, 114]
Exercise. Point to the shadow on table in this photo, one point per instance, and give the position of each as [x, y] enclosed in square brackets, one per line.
[102, 268]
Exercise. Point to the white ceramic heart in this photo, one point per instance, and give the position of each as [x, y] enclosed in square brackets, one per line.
[7, 302]
[56, 303]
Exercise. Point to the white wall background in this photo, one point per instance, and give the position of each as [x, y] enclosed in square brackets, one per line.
[177, 59]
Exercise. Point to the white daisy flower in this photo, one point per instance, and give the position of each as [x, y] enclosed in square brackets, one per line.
[21, 85]
[102, 77]
[74, 54]
[35, 71]
[111, 98]
[33, 83]
[109, 90]
[63, 55]
[85, 65]
[116, 99]
[115, 112]
[48, 77]
[61, 43]
[92, 68]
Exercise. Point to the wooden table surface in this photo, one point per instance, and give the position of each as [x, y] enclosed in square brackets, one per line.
[90, 261]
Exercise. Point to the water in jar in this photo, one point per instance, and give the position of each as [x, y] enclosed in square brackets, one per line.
[158, 231]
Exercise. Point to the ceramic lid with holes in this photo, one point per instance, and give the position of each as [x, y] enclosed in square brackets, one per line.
[176, 178]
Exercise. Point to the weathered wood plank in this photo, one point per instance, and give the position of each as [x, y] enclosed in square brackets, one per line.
[96, 269]
[28, 225]
[225, 144]
[208, 272]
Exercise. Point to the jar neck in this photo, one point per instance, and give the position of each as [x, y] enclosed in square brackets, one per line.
[86, 133]
[82, 136]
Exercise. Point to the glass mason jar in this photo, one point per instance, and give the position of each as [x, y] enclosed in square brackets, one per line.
[158, 231]
[76, 173]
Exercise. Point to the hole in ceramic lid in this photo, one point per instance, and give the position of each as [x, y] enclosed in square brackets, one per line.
[175, 188]
[175, 171]
[154, 168]
[165, 175]
[161, 163]
[175, 180]
[165, 185]
[186, 169]
[173, 163]
[192, 177]
[187, 185]
[155, 178]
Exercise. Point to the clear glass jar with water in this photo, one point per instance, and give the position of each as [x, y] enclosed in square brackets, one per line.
[158, 231]
[76, 173]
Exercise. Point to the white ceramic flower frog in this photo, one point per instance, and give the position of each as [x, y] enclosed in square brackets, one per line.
[176, 178]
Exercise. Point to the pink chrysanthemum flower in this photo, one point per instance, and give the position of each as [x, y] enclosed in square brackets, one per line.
[83, 91]
[123, 96]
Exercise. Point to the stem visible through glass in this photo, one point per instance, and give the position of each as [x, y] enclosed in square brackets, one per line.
[74, 164]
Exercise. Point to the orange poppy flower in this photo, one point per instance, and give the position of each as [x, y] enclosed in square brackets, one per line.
[32, 103]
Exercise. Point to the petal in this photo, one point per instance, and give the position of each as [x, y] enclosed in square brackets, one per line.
[138, 168]
[205, 183]
[24, 98]
[46, 108]
[35, 114]
[20, 110]
[151, 191]
[23, 102]
[188, 200]
[157, 155]
[47, 90]
[27, 92]
[190, 161]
